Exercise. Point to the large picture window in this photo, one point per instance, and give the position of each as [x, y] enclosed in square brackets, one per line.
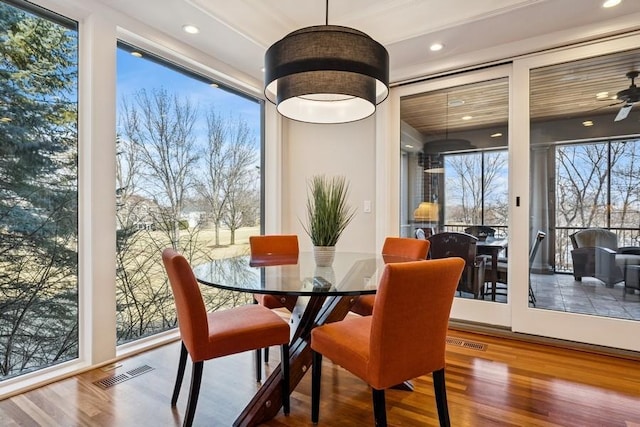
[476, 189]
[597, 186]
[38, 189]
[188, 177]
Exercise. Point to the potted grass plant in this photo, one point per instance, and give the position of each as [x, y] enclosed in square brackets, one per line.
[328, 214]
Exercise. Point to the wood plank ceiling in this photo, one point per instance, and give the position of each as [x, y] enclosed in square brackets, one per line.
[560, 91]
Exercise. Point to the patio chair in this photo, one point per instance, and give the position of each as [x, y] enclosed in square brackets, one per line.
[480, 231]
[463, 245]
[502, 269]
[596, 254]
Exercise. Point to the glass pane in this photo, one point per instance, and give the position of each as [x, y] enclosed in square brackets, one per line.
[585, 194]
[188, 177]
[454, 177]
[38, 191]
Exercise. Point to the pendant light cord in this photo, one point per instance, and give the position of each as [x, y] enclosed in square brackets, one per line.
[326, 14]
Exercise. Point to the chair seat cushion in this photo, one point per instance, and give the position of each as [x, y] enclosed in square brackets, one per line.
[241, 329]
[270, 301]
[364, 305]
[346, 343]
[622, 260]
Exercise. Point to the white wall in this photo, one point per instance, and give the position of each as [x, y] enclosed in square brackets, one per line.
[345, 149]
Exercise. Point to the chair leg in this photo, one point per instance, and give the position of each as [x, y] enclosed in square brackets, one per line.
[532, 296]
[316, 373]
[285, 379]
[259, 357]
[182, 363]
[196, 379]
[258, 365]
[440, 391]
[266, 355]
[379, 408]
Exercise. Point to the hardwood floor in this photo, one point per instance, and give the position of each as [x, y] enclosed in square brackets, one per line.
[506, 383]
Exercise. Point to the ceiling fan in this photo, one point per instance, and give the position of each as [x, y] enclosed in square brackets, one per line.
[628, 97]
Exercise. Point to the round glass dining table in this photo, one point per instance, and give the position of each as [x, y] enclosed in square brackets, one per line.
[350, 274]
[325, 294]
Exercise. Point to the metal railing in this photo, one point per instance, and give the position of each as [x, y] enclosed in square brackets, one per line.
[560, 255]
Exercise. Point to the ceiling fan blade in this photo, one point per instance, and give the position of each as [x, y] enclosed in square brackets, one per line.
[623, 113]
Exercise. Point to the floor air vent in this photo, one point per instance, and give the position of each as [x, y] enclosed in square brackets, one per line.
[466, 344]
[120, 378]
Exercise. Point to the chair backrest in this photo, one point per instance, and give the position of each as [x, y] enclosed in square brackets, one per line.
[453, 244]
[190, 308]
[424, 232]
[405, 247]
[540, 235]
[591, 237]
[481, 231]
[274, 244]
[410, 319]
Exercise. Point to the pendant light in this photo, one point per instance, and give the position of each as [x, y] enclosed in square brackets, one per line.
[326, 74]
[447, 144]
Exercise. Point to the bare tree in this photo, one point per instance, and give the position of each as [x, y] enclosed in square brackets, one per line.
[156, 157]
[162, 127]
[625, 184]
[229, 186]
[581, 180]
[473, 184]
[212, 186]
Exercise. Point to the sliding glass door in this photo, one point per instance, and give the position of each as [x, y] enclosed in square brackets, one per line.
[543, 154]
[582, 129]
[454, 176]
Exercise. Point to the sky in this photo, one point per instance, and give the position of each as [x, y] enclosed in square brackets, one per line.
[135, 74]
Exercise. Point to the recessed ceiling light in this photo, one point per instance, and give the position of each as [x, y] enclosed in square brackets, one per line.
[611, 3]
[436, 47]
[496, 135]
[191, 29]
[408, 146]
[587, 123]
[602, 95]
[467, 117]
[136, 54]
[455, 103]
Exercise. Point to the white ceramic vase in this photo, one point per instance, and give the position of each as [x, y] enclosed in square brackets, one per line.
[324, 255]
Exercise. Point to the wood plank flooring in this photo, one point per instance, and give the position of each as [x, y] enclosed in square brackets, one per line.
[510, 383]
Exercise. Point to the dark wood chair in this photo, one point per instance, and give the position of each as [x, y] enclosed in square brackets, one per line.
[502, 270]
[462, 245]
[480, 231]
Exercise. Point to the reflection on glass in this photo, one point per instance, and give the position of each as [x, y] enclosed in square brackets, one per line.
[454, 171]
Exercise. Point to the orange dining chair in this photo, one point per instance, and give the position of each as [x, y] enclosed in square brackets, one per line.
[393, 246]
[404, 338]
[282, 248]
[221, 333]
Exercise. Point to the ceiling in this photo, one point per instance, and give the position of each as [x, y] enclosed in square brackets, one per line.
[238, 33]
